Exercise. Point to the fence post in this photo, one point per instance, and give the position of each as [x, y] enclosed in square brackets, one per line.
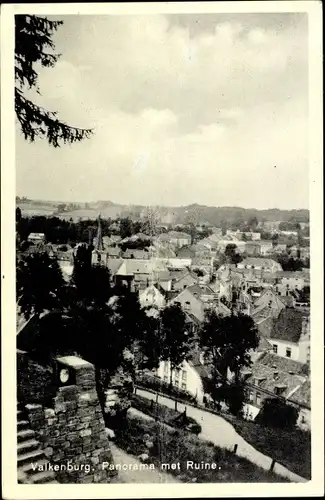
[272, 465]
[235, 448]
[135, 390]
[175, 405]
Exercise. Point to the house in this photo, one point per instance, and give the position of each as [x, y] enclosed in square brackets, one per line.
[293, 234]
[266, 247]
[217, 231]
[269, 304]
[182, 279]
[131, 253]
[151, 297]
[253, 248]
[115, 238]
[135, 273]
[161, 251]
[304, 253]
[290, 335]
[113, 265]
[273, 377]
[186, 252]
[301, 399]
[203, 263]
[185, 377]
[288, 281]
[36, 238]
[280, 248]
[175, 238]
[198, 299]
[260, 263]
[271, 226]
[113, 252]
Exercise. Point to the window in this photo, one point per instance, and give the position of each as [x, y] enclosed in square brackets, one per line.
[184, 375]
[275, 349]
[166, 367]
[288, 352]
[165, 378]
[251, 396]
[183, 386]
[258, 399]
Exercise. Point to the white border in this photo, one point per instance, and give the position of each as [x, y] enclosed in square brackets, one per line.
[11, 490]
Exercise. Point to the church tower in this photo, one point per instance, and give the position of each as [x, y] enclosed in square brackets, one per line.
[98, 252]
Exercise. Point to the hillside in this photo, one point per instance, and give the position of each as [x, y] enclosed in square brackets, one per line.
[197, 214]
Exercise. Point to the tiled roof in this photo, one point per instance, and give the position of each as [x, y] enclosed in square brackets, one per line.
[137, 254]
[138, 266]
[302, 395]
[265, 325]
[116, 251]
[288, 326]
[200, 290]
[114, 264]
[259, 261]
[268, 378]
[284, 364]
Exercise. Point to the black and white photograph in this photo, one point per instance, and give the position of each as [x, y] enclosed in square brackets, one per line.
[163, 328]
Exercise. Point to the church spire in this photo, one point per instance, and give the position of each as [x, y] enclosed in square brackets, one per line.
[99, 239]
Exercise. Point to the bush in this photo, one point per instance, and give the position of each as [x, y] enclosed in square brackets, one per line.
[277, 413]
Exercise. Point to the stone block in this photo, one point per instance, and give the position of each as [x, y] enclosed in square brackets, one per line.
[87, 479]
[88, 448]
[60, 408]
[85, 432]
[51, 421]
[49, 413]
[94, 460]
[87, 418]
[109, 433]
[144, 457]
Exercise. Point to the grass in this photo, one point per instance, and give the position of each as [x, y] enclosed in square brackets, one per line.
[174, 446]
[165, 414]
[291, 448]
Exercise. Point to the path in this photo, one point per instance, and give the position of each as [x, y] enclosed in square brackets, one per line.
[138, 476]
[223, 434]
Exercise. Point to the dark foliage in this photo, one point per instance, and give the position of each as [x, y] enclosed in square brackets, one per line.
[39, 285]
[34, 45]
[277, 413]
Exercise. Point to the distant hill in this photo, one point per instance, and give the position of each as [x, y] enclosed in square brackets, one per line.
[178, 215]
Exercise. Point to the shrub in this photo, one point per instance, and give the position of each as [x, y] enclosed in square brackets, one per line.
[277, 413]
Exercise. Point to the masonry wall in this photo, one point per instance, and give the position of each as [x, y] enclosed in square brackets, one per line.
[72, 431]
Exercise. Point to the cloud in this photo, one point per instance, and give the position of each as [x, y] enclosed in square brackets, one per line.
[177, 118]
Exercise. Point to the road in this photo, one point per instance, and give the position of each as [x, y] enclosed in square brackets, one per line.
[138, 476]
[223, 434]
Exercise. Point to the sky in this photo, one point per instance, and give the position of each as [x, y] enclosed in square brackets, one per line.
[209, 109]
